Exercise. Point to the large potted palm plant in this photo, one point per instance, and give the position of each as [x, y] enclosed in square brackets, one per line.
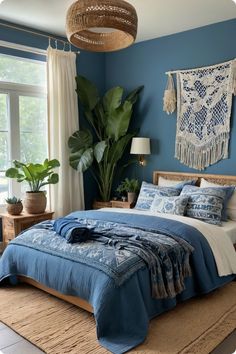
[100, 149]
[37, 176]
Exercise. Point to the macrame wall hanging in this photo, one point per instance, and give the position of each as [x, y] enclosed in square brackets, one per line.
[204, 100]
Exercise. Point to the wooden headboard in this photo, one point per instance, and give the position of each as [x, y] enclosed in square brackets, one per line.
[181, 176]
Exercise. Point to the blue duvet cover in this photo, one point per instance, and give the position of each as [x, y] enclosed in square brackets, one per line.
[115, 282]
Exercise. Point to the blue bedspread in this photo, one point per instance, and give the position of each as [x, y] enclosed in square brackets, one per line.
[166, 255]
[55, 264]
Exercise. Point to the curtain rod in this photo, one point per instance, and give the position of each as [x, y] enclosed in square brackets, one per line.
[39, 34]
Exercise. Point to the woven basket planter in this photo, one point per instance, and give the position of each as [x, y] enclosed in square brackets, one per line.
[85, 17]
[14, 209]
[35, 202]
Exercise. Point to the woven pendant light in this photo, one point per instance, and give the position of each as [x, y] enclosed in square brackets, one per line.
[101, 25]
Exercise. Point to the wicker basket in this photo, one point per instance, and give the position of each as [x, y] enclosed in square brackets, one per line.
[84, 17]
[14, 209]
[35, 202]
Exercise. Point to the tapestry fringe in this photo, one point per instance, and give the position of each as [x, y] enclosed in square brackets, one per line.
[200, 157]
[169, 99]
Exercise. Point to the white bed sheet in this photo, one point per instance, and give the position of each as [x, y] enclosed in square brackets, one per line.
[220, 238]
[229, 228]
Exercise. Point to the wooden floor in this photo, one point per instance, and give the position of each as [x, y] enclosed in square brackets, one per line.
[12, 343]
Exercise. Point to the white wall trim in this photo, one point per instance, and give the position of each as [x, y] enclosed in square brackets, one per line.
[23, 48]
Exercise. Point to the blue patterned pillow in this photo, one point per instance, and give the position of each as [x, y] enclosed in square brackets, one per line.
[191, 182]
[148, 192]
[205, 204]
[170, 205]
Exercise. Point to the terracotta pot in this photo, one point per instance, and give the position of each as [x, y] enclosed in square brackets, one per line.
[14, 209]
[35, 202]
[131, 197]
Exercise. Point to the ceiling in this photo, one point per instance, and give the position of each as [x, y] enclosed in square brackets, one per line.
[156, 17]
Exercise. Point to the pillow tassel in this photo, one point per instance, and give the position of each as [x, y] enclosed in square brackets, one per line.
[169, 99]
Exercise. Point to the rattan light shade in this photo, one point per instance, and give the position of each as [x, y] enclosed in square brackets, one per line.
[84, 17]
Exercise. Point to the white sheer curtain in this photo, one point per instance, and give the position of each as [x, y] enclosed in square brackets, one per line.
[68, 194]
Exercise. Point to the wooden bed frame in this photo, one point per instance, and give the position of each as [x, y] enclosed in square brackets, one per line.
[181, 176]
[75, 300]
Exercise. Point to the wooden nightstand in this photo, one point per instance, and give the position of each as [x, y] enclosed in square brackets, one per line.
[120, 204]
[12, 225]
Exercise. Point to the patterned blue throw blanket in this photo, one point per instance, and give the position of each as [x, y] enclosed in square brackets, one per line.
[166, 255]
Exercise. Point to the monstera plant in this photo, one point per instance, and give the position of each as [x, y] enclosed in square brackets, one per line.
[100, 149]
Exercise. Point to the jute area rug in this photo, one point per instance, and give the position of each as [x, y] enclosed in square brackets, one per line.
[196, 326]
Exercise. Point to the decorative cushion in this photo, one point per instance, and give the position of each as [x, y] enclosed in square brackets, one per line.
[148, 192]
[205, 204]
[170, 205]
[229, 209]
[165, 182]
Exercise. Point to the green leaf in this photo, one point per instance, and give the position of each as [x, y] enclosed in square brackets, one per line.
[100, 114]
[26, 170]
[112, 99]
[18, 164]
[53, 163]
[45, 163]
[12, 172]
[133, 95]
[89, 116]
[20, 178]
[118, 148]
[87, 92]
[99, 149]
[118, 121]
[53, 179]
[81, 139]
[82, 159]
[35, 168]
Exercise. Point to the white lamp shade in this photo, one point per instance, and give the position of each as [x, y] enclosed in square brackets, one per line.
[140, 146]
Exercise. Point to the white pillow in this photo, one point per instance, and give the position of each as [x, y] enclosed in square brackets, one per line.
[231, 207]
[164, 182]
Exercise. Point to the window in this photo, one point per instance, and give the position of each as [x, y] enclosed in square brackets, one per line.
[23, 117]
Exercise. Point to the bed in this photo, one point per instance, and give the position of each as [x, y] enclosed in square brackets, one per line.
[114, 281]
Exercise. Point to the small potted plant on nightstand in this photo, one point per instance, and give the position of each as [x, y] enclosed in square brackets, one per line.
[130, 187]
[14, 206]
[37, 176]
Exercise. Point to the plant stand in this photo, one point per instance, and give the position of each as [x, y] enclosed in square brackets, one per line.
[99, 204]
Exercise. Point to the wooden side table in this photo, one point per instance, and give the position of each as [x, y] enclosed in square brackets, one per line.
[120, 204]
[99, 205]
[12, 225]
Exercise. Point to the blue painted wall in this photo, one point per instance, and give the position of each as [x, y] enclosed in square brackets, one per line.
[91, 65]
[146, 63]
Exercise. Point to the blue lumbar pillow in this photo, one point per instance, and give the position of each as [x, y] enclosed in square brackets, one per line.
[205, 204]
[170, 205]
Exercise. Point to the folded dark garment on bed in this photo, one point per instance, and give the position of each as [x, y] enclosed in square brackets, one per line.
[71, 230]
